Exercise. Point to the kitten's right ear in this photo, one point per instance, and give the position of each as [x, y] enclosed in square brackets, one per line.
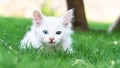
[37, 18]
[67, 17]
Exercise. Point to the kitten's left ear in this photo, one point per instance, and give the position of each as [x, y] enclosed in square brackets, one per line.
[67, 18]
[37, 18]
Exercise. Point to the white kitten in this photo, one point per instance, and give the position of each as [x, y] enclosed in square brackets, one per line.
[50, 32]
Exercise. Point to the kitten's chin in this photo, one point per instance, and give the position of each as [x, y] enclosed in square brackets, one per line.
[51, 44]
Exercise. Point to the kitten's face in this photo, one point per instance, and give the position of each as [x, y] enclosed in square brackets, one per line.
[52, 30]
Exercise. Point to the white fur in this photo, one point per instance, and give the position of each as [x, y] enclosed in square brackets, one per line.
[37, 39]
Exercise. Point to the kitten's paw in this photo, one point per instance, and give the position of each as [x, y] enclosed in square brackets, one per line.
[22, 47]
[70, 51]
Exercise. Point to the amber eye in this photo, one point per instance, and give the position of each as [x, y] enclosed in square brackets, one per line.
[58, 32]
[45, 31]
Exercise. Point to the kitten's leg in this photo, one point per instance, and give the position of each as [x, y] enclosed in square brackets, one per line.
[67, 45]
[36, 44]
[25, 43]
[30, 40]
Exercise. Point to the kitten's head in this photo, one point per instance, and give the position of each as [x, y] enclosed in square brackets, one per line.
[52, 30]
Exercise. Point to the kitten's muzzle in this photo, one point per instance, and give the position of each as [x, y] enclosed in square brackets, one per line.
[51, 39]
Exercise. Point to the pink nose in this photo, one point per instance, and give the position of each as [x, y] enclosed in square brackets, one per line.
[51, 38]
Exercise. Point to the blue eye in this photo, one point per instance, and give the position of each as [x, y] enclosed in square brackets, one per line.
[45, 31]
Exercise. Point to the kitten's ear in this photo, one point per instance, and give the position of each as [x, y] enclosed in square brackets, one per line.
[37, 18]
[67, 18]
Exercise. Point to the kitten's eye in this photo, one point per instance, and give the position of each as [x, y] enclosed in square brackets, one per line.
[58, 32]
[45, 31]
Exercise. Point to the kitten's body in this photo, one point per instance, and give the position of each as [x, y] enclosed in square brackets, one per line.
[49, 31]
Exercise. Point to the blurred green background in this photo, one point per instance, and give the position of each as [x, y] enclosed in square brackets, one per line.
[93, 49]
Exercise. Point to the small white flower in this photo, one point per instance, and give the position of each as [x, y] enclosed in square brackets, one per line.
[115, 42]
[10, 47]
[113, 62]
[78, 61]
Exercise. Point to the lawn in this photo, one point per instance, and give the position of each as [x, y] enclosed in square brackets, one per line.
[93, 49]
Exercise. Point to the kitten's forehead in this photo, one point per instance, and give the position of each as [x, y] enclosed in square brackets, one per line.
[52, 24]
[52, 20]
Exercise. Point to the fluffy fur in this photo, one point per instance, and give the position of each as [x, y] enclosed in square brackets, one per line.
[49, 31]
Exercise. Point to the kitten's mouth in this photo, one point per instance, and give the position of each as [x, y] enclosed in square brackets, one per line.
[51, 42]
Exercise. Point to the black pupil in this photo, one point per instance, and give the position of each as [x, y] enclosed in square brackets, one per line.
[45, 32]
[58, 32]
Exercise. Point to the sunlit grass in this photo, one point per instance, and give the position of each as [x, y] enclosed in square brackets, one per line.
[93, 49]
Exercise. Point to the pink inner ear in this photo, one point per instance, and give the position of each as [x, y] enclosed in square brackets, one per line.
[67, 18]
[38, 22]
[37, 18]
[66, 22]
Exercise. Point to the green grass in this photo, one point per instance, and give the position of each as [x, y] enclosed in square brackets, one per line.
[93, 49]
